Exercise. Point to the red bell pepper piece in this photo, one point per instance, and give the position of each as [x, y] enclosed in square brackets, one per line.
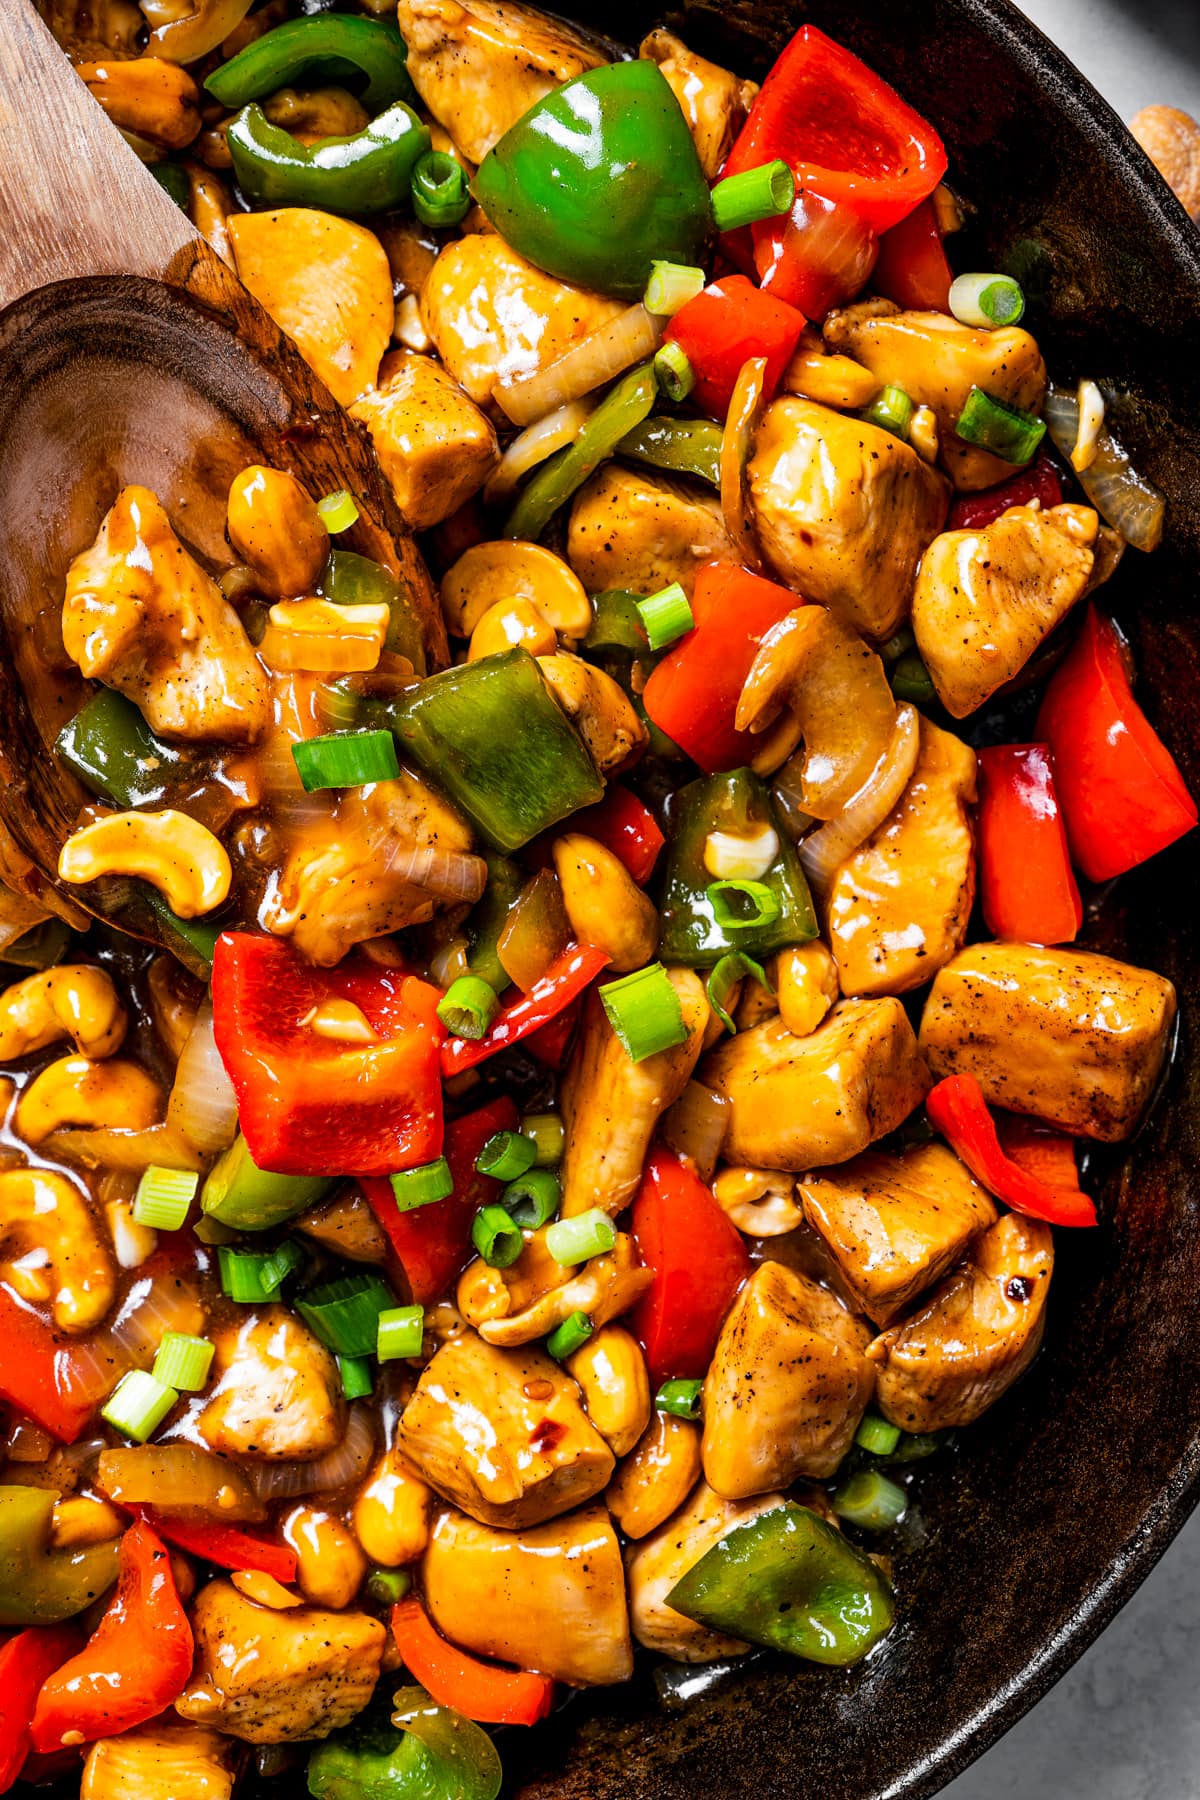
[551, 1044]
[699, 1262]
[26, 1661]
[563, 981]
[819, 256]
[693, 692]
[1026, 882]
[314, 1105]
[433, 1243]
[623, 825]
[479, 1690]
[1038, 1149]
[728, 322]
[956, 1107]
[229, 1546]
[911, 268]
[136, 1662]
[37, 1373]
[971, 512]
[1122, 795]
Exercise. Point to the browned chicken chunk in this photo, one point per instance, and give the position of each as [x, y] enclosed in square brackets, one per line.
[433, 443]
[277, 1394]
[640, 531]
[658, 1562]
[163, 1760]
[714, 101]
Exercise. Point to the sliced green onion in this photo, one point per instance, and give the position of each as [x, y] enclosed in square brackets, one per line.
[911, 680]
[672, 285]
[346, 759]
[505, 1156]
[680, 1397]
[338, 511]
[468, 1007]
[163, 1197]
[733, 967]
[422, 1186]
[892, 410]
[497, 1237]
[666, 616]
[138, 1405]
[439, 190]
[673, 372]
[279, 1263]
[915, 1446]
[761, 193]
[737, 905]
[586, 1235]
[1007, 431]
[344, 1313]
[571, 1336]
[870, 1501]
[357, 1377]
[898, 645]
[183, 1362]
[245, 1276]
[401, 1332]
[545, 1130]
[644, 1011]
[388, 1585]
[986, 301]
[533, 1198]
[876, 1435]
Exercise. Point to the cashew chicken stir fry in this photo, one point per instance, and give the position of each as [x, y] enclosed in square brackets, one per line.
[596, 1108]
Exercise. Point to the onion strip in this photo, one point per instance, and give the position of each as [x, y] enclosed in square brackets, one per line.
[630, 338]
[203, 1105]
[1123, 498]
[539, 441]
[346, 1463]
[737, 447]
[823, 854]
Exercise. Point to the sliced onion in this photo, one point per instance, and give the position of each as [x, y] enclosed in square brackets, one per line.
[449, 874]
[629, 338]
[179, 1478]
[826, 850]
[346, 1463]
[737, 447]
[1126, 500]
[203, 1105]
[695, 1127]
[155, 1305]
[108, 1147]
[558, 429]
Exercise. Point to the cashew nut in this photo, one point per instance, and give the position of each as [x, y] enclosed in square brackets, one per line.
[275, 527]
[391, 1515]
[529, 1299]
[264, 1590]
[512, 570]
[604, 903]
[76, 1091]
[330, 1567]
[508, 623]
[806, 983]
[82, 1519]
[176, 854]
[145, 95]
[43, 1213]
[73, 1001]
[611, 1370]
[760, 1202]
[656, 1477]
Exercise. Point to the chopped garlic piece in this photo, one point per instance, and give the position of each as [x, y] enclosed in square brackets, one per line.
[1091, 424]
[340, 1019]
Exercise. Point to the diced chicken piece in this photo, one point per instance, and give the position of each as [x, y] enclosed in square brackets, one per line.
[658, 1562]
[899, 905]
[536, 1294]
[163, 1760]
[1071, 1037]
[479, 66]
[805, 1102]
[598, 707]
[141, 615]
[843, 511]
[640, 531]
[786, 1388]
[896, 1223]
[611, 1105]
[986, 599]
[937, 362]
[272, 1677]
[713, 100]
[346, 1225]
[503, 1434]
[981, 1329]
[277, 1394]
[551, 1598]
[493, 316]
[433, 443]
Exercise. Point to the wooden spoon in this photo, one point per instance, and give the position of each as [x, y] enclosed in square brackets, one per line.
[128, 353]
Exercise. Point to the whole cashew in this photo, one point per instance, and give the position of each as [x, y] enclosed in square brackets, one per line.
[73, 1001]
[760, 1202]
[41, 1211]
[176, 854]
[76, 1091]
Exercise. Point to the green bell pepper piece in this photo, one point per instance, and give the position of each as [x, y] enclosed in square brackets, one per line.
[684, 446]
[173, 180]
[600, 179]
[40, 947]
[353, 580]
[623, 407]
[420, 1752]
[736, 802]
[39, 1585]
[332, 48]
[368, 172]
[241, 1195]
[791, 1582]
[113, 751]
[488, 918]
[616, 626]
[491, 735]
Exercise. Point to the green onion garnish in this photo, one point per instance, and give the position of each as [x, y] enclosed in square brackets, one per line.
[344, 1313]
[870, 1501]
[680, 1397]
[401, 1331]
[586, 1235]
[468, 1007]
[388, 1585]
[673, 372]
[338, 511]
[672, 285]
[422, 1186]
[506, 1155]
[644, 1011]
[1007, 431]
[532, 1199]
[183, 1362]
[357, 1379]
[497, 1237]
[761, 193]
[346, 759]
[733, 967]
[571, 1336]
[545, 1130]
[247, 1276]
[163, 1197]
[138, 1405]
[666, 616]
[279, 1263]
[892, 410]
[876, 1435]
[986, 301]
[737, 904]
[439, 190]
[911, 680]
